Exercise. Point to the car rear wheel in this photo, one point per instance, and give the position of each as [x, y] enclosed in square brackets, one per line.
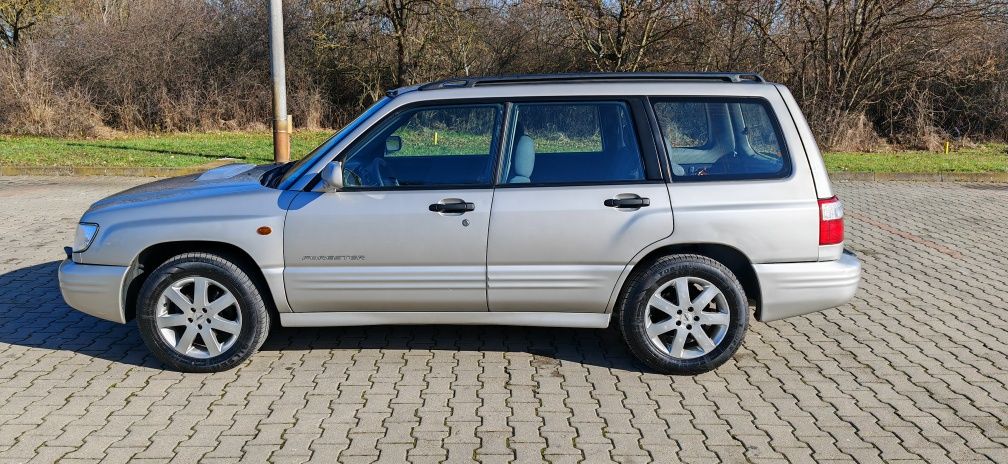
[199, 312]
[684, 314]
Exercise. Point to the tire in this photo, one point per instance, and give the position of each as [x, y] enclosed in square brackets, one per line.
[647, 323]
[213, 336]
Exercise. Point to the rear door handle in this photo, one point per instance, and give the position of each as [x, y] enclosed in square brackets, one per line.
[631, 202]
[452, 207]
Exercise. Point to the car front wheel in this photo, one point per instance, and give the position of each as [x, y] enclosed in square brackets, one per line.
[200, 312]
[684, 314]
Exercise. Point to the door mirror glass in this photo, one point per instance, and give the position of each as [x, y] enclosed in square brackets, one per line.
[332, 176]
[393, 144]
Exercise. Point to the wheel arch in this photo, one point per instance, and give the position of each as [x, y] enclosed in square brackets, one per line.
[732, 258]
[153, 256]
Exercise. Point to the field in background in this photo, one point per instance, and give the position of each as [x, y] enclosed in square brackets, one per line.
[165, 150]
[992, 157]
[190, 149]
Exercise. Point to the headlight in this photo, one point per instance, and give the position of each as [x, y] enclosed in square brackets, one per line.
[85, 234]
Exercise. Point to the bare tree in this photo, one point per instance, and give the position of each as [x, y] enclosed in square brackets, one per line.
[909, 71]
[19, 16]
[848, 56]
[617, 34]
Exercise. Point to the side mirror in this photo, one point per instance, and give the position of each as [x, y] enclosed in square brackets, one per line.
[393, 144]
[332, 176]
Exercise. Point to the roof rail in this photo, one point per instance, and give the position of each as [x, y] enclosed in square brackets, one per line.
[462, 82]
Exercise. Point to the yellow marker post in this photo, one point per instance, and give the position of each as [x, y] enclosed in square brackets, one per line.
[435, 141]
[946, 147]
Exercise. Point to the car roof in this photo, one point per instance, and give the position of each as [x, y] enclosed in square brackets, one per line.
[593, 78]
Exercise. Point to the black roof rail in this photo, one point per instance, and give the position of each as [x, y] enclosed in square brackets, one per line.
[462, 82]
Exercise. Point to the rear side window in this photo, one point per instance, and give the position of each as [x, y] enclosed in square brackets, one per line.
[572, 143]
[722, 139]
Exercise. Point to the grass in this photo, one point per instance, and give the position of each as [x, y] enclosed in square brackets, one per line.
[983, 158]
[417, 143]
[143, 150]
[453, 142]
[189, 149]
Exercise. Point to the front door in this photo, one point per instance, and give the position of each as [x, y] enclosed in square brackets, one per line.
[578, 197]
[409, 231]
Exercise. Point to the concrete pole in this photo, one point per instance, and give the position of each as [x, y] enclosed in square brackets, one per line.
[282, 124]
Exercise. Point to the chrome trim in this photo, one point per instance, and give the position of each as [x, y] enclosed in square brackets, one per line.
[94, 289]
[793, 289]
[531, 319]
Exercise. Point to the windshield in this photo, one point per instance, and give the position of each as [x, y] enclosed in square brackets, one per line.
[297, 168]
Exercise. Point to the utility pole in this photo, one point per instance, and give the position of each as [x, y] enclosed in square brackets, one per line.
[282, 124]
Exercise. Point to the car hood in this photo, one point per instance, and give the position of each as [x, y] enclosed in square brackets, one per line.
[225, 180]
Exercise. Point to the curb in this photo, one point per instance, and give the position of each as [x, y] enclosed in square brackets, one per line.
[7, 170]
[920, 176]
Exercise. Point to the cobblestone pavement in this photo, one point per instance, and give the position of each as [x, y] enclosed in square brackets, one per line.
[915, 369]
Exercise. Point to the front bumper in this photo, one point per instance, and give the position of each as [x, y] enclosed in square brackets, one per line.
[94, 289]
[793, 289]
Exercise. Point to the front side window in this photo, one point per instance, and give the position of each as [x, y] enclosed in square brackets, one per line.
[427, 147]
[572, 143]
[721, 139]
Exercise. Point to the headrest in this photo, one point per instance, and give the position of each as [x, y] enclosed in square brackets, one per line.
[524, 157]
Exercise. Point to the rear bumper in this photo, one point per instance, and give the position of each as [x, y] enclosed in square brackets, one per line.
[793, 289]
[94, 289]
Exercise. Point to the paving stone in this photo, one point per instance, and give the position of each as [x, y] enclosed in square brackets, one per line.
[915, 369]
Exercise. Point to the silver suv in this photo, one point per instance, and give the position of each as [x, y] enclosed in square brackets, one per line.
[674, 204]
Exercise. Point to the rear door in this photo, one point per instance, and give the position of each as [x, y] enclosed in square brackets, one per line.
[578, 195]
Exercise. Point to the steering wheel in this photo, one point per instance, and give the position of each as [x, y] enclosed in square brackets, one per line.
[356, 178]
[378, 168]
[726, 164]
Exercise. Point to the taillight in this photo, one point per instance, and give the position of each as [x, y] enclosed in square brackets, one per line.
[830, 221]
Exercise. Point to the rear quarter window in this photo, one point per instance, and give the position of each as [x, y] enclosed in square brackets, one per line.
[722, 139]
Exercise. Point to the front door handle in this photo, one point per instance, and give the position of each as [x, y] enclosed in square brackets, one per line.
[630, 202]
[452, 207]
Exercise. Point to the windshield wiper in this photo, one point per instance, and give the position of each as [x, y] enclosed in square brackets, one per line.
[272, 177]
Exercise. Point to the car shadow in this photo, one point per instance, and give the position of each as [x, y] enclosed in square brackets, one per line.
[597, 347]
[34, 315]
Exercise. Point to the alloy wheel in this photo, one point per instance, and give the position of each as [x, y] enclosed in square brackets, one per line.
[198, 317]
[687, 317]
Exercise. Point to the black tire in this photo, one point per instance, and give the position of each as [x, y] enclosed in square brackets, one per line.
[255, 318]
[633, 306]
